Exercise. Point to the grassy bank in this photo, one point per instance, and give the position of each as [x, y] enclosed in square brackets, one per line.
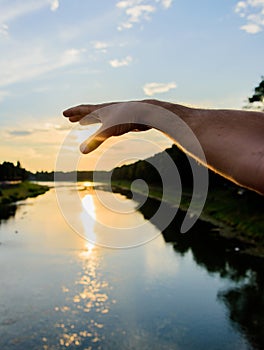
[20, 191]
[238, 214]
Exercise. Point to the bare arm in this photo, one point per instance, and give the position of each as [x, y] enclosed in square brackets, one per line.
[232, 140]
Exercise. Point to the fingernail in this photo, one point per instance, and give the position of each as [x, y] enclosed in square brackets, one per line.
[83, 148]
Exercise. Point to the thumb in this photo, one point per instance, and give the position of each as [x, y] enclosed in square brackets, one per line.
[95, 140]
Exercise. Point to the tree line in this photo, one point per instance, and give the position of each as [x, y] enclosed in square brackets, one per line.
[149, 170]
[12, 172]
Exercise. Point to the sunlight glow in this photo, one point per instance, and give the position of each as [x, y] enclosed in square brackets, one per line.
[88, 204]
[88, 218]
[89, 247]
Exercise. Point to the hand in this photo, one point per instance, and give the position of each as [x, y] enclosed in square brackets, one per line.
[115, 121]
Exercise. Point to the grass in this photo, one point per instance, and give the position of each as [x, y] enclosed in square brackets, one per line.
[241, 212]
[239, 215]
[20, 191]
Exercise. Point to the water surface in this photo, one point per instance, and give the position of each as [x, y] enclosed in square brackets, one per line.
[58, 291]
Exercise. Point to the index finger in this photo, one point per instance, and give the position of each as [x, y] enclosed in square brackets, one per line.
[77, 113]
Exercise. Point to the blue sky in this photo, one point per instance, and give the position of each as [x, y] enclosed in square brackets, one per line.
[59, 53]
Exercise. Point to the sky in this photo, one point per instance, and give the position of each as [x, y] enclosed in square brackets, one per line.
[60, 53]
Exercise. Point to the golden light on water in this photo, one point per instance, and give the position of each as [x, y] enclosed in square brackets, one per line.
[88, 217]
[89, 294]
[89, 247]
[88, 205]
[87, 184]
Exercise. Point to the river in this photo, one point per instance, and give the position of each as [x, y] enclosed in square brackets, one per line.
[60, 291]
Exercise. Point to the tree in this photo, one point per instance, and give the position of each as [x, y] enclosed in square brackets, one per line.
[10, 172]
[258, 97]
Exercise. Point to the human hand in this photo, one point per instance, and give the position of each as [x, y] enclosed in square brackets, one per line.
[115, 121]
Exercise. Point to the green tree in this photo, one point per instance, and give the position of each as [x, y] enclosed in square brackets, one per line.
[258, 96]
[9, 172]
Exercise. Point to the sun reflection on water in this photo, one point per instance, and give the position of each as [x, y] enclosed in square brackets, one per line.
[88, 219]
[112, 221]
[89, 247]
[81, 319]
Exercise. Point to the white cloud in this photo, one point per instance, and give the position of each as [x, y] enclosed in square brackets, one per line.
[25, 66]
[11, 11]
[240, 7]
[253, 12]
[137, 11]
[121, 63]
[69, 57]
[166, 3]
[151, 89]
[54, 5]
[100, 46]
[128, 3]
[137, 14]
[251, 28]
[3, 29]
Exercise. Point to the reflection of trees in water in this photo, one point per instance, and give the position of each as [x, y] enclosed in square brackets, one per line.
[245, 301]
[246, 309]
[7, 211]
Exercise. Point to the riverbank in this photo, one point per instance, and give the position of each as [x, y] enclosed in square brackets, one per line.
[237, 213]
[10, 193]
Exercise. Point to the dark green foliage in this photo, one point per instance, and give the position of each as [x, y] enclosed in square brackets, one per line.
[11, 172]
[149, 169]
[258, 95]
[19, 191]
[42, 176]
[143, 169]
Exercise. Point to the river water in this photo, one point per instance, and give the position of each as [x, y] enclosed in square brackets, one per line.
[60, 291]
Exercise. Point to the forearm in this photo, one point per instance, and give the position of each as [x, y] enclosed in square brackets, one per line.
[232, 141]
